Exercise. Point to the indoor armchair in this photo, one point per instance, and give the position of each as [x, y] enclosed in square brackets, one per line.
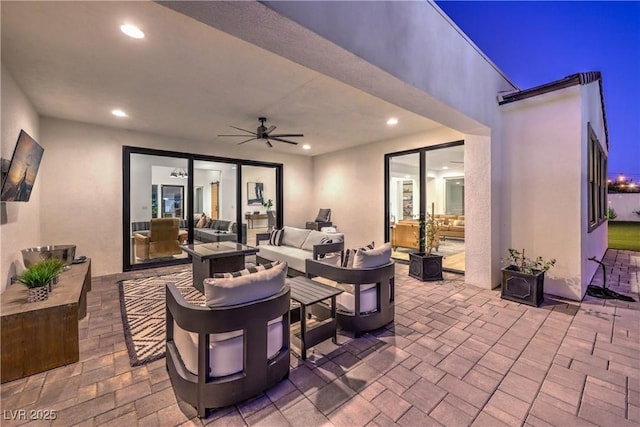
[162, 240]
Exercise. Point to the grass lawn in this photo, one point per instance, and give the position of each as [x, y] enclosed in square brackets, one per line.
[624, 235]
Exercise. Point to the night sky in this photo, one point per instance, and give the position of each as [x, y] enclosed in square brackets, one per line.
[539, 42]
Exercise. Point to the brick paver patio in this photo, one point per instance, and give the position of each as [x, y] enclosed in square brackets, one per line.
[456, 355]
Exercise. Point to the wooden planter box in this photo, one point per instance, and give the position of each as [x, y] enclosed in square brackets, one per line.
[522, 287]
[425, 267]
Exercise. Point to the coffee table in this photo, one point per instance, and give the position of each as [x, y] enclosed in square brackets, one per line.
[307, 292]
[219, 257]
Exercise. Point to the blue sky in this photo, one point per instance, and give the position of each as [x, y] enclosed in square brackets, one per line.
[536, 42]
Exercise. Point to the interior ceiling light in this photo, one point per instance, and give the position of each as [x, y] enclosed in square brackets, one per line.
[132, 31]
[445, 167]
[118, 113]
[392, 121]
[179, 173]
[306, 147]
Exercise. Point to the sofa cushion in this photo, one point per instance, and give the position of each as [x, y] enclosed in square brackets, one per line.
[246, 271]
[294, 237]
[294, 257]
[369, 258]
[223, 225]
[313, 238]
[247, 288]
[458, 222]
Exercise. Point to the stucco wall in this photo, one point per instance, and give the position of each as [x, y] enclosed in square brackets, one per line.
[625, 204]
[543, 182]
[594, 242]
[82, 184]
[20, 221]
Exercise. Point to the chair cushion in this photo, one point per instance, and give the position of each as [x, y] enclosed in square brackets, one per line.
[369, 258]
[294, 237]
[220, 292]
[368, 298]
[225, 350]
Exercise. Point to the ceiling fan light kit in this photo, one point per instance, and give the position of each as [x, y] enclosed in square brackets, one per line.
[263, 133]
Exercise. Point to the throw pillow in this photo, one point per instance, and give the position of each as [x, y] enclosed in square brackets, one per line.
[223, 225]
[349, 254]
[245, 288]
[248, 270]
[324, 241]
[369, 258]
[458, 222]
[313, 238]
[275, 238]
[202, 221]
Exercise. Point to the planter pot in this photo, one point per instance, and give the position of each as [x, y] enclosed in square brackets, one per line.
[522, 287]
[37, 294]
[425, 267]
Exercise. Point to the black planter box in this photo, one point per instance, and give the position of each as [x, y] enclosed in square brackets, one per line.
[425, 267]
[522, 287]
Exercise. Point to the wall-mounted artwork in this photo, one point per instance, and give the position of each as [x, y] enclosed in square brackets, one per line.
[255, 193]
[22, 172]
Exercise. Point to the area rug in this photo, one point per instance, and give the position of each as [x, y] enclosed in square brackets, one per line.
[142, 304]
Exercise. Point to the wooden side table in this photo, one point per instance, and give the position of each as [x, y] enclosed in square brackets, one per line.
[43, 335]
[307, 292]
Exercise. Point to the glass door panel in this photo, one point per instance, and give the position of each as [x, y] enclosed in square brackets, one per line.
[157, 189]
[404, 203]
[444, 175]
[259, 196]
[215, 193]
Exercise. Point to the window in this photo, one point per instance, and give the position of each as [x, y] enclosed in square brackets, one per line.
[597, 164]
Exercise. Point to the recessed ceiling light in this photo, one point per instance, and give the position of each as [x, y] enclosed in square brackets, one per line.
[306, 147]
[407, 176]
[132, 31]
[445, 167]
[392, 121]
[118, 113]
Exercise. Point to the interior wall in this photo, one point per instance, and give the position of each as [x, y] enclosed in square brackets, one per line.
[87, 209]
[351, 183]
[542, 197]
[20, 221]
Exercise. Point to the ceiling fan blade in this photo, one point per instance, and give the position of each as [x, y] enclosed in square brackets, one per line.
[268, 143]
[271, 129]
[243, 130]
[250, 139]
[283, 140]
[288, 135]
[235, 135]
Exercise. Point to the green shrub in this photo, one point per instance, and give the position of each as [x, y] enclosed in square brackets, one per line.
[526, 265]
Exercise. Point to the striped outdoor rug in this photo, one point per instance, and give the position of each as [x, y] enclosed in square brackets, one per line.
[142, 304]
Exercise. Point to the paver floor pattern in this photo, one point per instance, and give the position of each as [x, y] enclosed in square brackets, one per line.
[456, 355]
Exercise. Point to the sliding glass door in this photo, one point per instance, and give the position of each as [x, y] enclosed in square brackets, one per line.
[421, 182]
[171, 199]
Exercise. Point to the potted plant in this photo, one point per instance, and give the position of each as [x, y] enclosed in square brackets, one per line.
[427, 266]
[36, 278]
[54, 266]
[268, 204]
[523, 278]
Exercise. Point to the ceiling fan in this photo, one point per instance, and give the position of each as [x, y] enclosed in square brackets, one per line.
[264, 133]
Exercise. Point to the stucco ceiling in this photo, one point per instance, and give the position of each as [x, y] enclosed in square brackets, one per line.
[184, 79]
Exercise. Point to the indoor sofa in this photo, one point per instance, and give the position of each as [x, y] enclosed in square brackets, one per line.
[405, 233]
[211, 232]
[295, 245]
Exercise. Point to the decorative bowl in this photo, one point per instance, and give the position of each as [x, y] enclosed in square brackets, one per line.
[65, 253]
